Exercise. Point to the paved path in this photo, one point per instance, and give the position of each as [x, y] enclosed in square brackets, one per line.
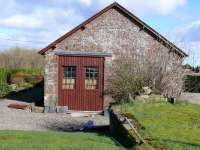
[16, 119]
[190, 97]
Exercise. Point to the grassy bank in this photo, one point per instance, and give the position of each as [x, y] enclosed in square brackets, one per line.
[167, 126]
[23, 140]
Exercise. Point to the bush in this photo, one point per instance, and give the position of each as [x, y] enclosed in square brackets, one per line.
[31, 71]
[24, 79]
[33, 79]
[4, 89]
[4, 75]
[155, 68]
[25, 85]
[17, 78]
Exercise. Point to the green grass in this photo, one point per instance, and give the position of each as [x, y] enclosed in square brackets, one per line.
[29, 140]
[167, 126]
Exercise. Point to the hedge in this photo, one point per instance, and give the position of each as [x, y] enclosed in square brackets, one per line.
[7, 73]
[4, 77]
[192, 84]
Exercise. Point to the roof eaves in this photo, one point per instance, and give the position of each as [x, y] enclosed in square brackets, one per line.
[61, 52]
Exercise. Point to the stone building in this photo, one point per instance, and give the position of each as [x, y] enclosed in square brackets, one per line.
[113, 29]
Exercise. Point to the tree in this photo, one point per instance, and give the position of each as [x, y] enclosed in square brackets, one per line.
[21, 58]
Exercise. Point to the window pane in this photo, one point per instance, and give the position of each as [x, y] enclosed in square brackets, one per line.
[91, 77]
[69, 77]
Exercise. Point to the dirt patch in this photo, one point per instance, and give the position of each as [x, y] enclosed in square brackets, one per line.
[18, 119]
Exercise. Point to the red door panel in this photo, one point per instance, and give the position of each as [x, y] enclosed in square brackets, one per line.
[81, 98]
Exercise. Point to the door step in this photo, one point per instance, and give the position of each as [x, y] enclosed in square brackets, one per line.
[84, 113]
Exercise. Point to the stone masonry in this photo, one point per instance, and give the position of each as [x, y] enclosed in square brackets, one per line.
[110, 32]
[51, 80]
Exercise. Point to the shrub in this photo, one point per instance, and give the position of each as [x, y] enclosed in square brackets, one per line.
[32, 79]
[4, 89]
[192, 84]
[20, 76]
[4, 75]
[31, 71]
[156, 68]
[17, 78]
[25, 85]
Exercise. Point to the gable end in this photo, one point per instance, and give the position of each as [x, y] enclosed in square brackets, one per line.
[143, 26]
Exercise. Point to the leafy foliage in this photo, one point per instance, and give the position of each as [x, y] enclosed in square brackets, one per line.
[192, 68]
[4, 77]
[21, 78]
[4, 89]
[192, 84]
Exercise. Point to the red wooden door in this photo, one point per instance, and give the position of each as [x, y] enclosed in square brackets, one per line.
[76, 94]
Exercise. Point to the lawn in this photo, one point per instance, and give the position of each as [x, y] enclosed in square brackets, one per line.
[30, 140]
[168, 126]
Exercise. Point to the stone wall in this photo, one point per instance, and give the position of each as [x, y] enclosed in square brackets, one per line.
[51, 80]
[111, 32]
[120, 130]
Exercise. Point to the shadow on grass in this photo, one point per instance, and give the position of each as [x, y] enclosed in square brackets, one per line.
[163, 143]
[79, 127]
[34, 94]
[184, 144]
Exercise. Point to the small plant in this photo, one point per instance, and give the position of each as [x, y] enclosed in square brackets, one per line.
[4, 89]
[17, 78]
[25, 85]
[4, 75]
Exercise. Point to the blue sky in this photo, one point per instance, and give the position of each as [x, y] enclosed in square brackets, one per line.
[35, 23]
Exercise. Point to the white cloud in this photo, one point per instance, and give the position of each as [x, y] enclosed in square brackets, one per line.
[188, 38]
[166, 7]
[189, 32]
[22, 21]
[42, 19]
[86, 2]
[149, 7]
[48, 19]
[37, 24]
[140, 7]
[193, 50]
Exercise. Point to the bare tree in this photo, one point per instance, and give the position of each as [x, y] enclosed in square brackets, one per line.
[20, 58]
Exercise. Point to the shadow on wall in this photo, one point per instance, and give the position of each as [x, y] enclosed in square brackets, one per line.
[34, 94]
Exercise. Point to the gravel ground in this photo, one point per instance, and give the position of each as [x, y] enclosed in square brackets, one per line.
[16, 119]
